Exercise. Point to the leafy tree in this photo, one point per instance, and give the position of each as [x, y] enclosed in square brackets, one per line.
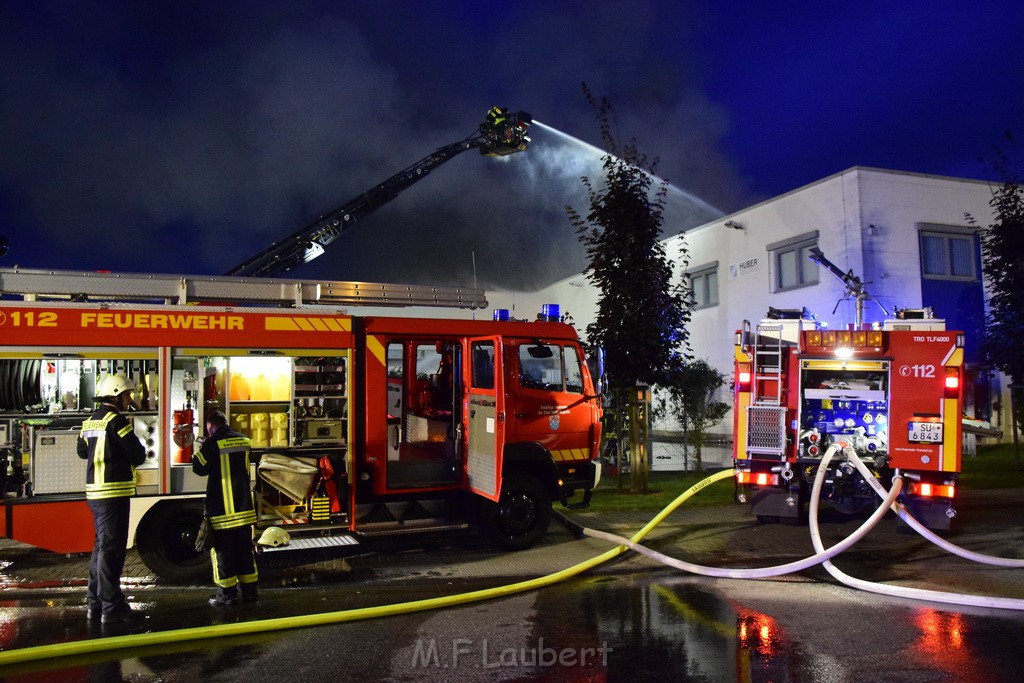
[1003, 258]
[692, 402]
[641, 319]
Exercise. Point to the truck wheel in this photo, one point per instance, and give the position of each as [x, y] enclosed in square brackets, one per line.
[521, 516]
[166, 540]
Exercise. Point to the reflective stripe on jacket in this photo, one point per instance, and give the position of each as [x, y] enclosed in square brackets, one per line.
[224, 458]
[112, 450]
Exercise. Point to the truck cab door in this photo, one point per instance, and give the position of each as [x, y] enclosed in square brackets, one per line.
[485, 414]
[424, 414]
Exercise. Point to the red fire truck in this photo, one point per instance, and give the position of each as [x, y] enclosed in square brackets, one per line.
[891, 391]
[360, 426]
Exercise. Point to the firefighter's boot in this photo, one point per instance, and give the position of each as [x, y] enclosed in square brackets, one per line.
[249, 594]
[224, 597]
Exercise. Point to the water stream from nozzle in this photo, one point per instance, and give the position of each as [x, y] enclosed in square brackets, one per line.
[695, 205]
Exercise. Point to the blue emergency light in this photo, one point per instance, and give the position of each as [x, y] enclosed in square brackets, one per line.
[501, 314]
[550, 312]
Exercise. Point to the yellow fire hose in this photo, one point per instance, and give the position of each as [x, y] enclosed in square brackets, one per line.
[141, 640]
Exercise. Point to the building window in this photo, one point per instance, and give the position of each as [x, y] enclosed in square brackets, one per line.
[948, 255]
[703, 283]
[792, 267]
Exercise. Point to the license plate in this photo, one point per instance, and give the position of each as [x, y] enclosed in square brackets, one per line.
[925, 432]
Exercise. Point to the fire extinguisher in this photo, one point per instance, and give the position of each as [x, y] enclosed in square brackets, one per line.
[183, 435]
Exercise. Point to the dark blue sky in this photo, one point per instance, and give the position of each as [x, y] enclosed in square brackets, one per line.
[184, 137]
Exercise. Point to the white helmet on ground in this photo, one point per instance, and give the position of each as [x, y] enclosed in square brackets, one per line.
[274, 536]
[114, 385]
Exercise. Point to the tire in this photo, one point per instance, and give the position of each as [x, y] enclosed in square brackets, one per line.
[166, 541]
[521, 516]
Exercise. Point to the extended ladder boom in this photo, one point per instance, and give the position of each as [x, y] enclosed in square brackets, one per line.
[35, 285]
[502, 133]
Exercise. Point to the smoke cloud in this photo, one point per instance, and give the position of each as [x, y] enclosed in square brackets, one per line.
[187, 142]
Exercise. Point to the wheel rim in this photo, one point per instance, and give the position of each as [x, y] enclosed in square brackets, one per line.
[518, 514]
[178, 543]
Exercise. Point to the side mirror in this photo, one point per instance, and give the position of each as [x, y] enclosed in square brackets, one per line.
[595, 364]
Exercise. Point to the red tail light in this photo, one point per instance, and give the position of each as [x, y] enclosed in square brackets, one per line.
[757, 478]
[926, 490]
[952, 382]
[743, 377]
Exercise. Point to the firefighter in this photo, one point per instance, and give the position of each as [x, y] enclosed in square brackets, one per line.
[224, 459]
[113, 451]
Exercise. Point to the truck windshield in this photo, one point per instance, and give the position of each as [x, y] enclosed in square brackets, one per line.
[550, 367]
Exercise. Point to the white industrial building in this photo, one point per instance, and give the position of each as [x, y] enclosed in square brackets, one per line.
[906, 236]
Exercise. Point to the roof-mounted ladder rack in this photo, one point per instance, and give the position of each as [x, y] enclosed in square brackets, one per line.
[39, 285]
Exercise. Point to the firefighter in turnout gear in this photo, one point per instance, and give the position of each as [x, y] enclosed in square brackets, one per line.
[113, 451]
[224, 459]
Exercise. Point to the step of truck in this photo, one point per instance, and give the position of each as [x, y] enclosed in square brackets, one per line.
[314, 543]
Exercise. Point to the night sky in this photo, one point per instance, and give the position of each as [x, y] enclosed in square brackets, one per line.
[185, 137]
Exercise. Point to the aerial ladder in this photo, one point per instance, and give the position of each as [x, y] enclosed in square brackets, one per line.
[502, 133]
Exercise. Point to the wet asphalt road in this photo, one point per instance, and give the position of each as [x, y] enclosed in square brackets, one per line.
[627, 619]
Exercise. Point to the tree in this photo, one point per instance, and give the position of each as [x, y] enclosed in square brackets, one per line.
[692, 402]
[641, 319]
[1003, 259]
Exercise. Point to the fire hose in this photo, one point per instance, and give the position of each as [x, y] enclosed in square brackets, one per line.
[903, 591]
[788, 568]
[205, 633]
[822, 556]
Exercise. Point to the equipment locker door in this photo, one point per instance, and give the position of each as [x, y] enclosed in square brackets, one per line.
[486, 418]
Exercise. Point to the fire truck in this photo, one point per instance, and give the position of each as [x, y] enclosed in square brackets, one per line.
[891, 391]
[360, 425]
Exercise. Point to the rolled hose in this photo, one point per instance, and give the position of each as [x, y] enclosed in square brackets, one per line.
[903, 591]
[139, 640]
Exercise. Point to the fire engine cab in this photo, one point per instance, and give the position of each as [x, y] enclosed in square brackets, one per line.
[891, 391]
[360, 426]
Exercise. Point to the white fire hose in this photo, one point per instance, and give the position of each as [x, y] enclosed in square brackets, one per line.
[788, 568]
[903, 591]
[823, 556]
